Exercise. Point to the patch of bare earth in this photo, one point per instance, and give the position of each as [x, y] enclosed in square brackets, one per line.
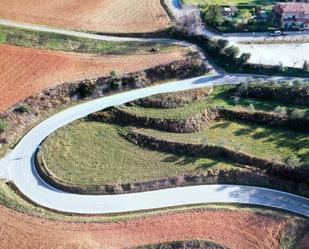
[116, 16]
[25, 71]
[233, 229]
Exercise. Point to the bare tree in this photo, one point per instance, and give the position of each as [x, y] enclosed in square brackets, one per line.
[189, 19]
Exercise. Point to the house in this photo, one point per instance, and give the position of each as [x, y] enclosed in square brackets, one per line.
[229, 11]
[293, 14]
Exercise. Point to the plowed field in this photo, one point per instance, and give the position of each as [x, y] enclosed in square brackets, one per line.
[119, 16]
[25, 71]
[234, 229]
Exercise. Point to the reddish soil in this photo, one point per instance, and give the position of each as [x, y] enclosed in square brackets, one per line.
[115, 16]
[233, 229]
[25, 71]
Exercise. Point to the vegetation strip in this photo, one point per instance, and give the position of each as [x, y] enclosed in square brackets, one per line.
[58, 42]
[189, 244]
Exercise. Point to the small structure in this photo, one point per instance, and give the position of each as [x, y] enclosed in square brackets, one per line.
[293, 14]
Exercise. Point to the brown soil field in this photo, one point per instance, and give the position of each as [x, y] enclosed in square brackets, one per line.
[233, 229]
[115, 16]
[25, 71]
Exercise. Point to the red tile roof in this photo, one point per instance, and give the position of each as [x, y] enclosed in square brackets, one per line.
[293, 7]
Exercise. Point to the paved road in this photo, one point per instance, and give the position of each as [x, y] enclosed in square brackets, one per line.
[18, 166]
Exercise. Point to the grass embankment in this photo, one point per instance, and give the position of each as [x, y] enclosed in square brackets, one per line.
[219, 97]
[98, 149]
[58, 42]
[264, 142]
[257, 140]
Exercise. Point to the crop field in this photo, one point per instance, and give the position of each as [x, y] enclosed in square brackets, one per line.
[242, 227]
[26, 71]
[112, 16]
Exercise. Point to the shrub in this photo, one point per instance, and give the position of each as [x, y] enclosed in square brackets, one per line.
[298, 83]
[115, 80]
[223, 43]
[294, 161]
[86, 88]
[298, 114]
[244, 58]
[281, 110]
[251, 108]
[23, 108]
[232, 52]
[3, 124]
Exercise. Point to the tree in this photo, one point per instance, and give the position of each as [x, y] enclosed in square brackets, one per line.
[223, 43]
[244, 15]
[306, 67]
[86, 88]
[244, 58]
[115, 79]
[298, 114]
[232, 51]
[189, 19]
[212, 15]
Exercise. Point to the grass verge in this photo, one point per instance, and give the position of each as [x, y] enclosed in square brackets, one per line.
[58, 42]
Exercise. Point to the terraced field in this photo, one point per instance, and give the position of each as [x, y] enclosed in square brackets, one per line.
[70, 150]
[112, 16]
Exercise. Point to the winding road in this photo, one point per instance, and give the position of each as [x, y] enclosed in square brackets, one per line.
[18, 165]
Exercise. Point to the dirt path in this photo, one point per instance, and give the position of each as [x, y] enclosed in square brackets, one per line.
[230, 228]
[25, 71]
[116, 16]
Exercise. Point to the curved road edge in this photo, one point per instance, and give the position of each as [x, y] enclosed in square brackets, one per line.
[18, 166]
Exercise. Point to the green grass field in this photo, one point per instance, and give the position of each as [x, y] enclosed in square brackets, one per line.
[52, 41]
[255, 140]
[94, 153]
[219, 97]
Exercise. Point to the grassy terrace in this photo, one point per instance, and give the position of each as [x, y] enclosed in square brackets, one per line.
[98, 149]
[52, 41]
[256, 140]
[219, 97]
